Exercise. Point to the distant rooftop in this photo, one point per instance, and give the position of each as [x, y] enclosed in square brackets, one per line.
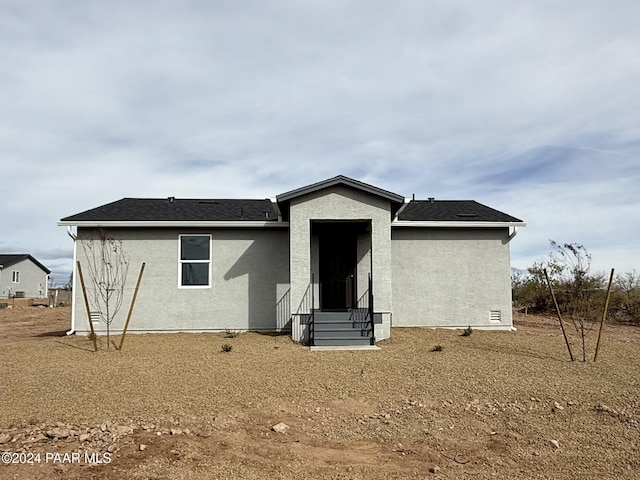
[9, 259]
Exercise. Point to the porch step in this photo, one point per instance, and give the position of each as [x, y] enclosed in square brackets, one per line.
[341, 329]
[340, 326]
[336, 341]
[344, 348]
[321, 316]
[344, 333]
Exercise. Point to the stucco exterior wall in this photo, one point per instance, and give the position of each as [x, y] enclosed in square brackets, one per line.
[451, 277]
[364, 266]
[249, 275]
[33, 280]
[339, 203]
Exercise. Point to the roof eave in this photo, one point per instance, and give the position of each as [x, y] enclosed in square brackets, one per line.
[454, 224]
[176, 224]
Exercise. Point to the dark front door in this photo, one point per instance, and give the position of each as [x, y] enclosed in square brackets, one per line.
[337, 268]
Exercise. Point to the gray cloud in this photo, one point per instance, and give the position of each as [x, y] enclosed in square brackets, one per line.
[531, 107]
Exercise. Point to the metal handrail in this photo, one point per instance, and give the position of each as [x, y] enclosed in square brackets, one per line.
[312, 314]
[371, 310]
[283, 311]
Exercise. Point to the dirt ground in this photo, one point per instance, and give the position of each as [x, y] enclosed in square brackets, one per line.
[490, 405]
[19, 324]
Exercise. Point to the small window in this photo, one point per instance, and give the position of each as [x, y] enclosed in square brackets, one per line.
[16, 277]
[195, 261]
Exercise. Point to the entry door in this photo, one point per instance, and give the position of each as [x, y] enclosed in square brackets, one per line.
[338, 269]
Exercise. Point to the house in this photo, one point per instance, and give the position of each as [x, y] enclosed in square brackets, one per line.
[336, 262]
[23, 276]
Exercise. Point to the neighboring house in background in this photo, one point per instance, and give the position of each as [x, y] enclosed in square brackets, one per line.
[23, 276]
[337, 262]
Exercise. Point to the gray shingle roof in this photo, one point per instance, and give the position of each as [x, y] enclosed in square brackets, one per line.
[167, 210]
[6, 260]
[132, 210]
[452, 211]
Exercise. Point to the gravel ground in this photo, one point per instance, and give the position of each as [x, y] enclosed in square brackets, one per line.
[490, 405]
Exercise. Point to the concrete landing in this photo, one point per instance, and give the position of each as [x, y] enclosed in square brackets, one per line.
[339, 348]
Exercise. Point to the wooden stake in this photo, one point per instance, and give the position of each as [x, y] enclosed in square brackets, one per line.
[553, 296]
[604, 316]
[133, 302]
[86, 304]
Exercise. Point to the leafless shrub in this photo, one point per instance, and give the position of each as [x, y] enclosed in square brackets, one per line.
[108, 265]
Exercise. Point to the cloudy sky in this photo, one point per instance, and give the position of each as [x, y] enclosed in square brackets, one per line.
[531, 107]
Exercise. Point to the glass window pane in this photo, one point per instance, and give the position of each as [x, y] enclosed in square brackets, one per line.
[195, 274]
[194, 247]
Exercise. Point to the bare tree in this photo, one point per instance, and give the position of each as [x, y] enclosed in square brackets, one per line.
[108, 265]
[579, 291]
[627, 298]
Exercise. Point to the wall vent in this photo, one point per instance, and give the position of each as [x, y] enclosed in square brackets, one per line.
[495, 316]
[95, 319]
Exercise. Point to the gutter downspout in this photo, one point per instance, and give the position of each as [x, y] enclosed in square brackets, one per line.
[74, 237]
[406, 202]
[274, 204]
[511, 237]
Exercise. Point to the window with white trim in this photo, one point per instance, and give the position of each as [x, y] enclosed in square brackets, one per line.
[194, 261]
[15, 277]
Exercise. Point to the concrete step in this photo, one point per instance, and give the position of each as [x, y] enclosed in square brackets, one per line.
[333, 341]
[342, 328]
[320, 327]
[346, 334]
[334, 327]
[328, 319]
[344, 348]
[332, 321]
[332, 316]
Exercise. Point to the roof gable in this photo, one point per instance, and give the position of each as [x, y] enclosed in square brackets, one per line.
[340, 180]
[7, 260]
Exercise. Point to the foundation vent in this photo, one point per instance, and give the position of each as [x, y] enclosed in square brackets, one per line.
[95, 319]
[495, 316]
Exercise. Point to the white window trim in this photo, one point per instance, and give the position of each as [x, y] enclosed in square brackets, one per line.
[180, 262]
[15, 277]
